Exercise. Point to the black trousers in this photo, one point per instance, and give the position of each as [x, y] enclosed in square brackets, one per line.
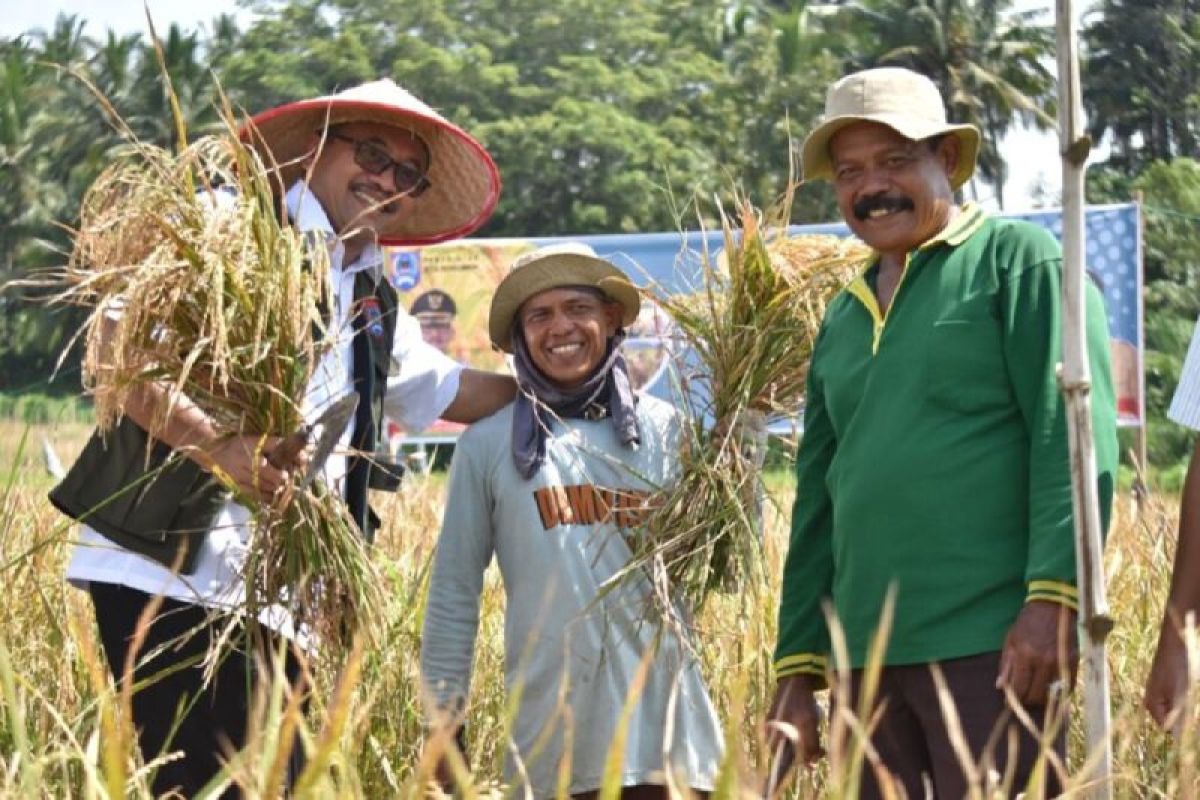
[913, 740]
[175, 710]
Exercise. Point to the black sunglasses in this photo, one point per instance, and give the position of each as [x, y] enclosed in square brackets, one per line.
[410, 180]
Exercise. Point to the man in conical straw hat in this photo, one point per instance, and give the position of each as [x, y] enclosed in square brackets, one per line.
[555, 485]
[368, 166]
[391, 169]
[934, 462]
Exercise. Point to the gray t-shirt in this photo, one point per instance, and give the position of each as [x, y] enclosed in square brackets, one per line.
[557, 538]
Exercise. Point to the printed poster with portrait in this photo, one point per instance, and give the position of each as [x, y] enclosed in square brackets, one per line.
[448, 289]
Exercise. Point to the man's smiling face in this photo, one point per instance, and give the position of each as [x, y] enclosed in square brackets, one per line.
[893, 192]
[353, 197]
[567, 331]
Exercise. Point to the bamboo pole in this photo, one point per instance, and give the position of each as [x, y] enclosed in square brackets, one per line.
[1141, 490]
[1075, 380]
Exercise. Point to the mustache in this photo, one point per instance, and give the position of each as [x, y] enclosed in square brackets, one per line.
[885, 202]
[384, 203]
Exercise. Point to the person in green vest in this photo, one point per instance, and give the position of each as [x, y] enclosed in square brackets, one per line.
[934, 463]
[366, 167]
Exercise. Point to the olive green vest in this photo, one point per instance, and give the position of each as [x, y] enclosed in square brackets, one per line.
[155, 502]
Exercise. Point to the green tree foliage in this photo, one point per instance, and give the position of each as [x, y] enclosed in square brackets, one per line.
[1142, 79]
[55, 137]
[1141, 71]
[783, 56]
[604, 115]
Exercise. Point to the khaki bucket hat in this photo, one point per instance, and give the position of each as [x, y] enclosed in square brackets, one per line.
[465, 183]
[903, 100]
[554, 267]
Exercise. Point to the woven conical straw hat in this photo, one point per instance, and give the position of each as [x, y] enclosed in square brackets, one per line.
[465, 181]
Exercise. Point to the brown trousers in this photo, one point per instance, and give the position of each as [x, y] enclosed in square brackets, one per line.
[914, 742]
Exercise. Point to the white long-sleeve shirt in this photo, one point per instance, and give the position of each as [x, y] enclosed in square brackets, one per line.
[425, 385]
[557, 538]
[1185, 403]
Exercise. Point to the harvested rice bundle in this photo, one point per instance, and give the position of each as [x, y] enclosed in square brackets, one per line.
[751, 327]
[210, 292]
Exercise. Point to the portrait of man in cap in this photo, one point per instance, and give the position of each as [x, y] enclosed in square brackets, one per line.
[435, 311]
[934, 465]
[357, 170]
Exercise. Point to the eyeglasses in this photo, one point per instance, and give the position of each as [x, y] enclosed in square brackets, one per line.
[410, 180]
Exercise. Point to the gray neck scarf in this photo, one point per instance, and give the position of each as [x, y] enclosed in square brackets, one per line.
[606, 392]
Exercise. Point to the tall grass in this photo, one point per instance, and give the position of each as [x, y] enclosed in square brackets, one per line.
[42, 409]
[61, 731]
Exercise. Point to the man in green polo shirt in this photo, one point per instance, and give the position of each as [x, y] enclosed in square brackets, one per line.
[935, 456]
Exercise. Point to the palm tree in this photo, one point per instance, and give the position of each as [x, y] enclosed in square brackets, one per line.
[23, 211]
[150, 113]
[1142, 68]
[64, 44]
[113, 65]
[30, 205]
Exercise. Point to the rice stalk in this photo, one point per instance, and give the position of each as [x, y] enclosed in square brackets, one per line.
[749, 329]
[378, 751]
[196, 284]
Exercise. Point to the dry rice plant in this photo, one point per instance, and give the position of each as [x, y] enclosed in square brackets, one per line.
[197, 284]
[55, 694]
[751, 327]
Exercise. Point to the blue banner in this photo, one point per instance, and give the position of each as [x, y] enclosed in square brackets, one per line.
[467, 271]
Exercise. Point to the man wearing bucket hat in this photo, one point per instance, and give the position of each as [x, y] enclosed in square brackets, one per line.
[553, 486]
[934, 463]
[365, 167]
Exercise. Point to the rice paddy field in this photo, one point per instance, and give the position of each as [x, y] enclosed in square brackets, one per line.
[63, 732]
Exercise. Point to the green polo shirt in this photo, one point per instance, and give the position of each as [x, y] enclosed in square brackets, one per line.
[935, 454]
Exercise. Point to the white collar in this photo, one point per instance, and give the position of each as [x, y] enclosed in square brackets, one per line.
[308, 216]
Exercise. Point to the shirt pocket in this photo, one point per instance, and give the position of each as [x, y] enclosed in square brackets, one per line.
[964, 364]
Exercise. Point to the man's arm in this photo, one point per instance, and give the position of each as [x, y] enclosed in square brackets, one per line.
[480, 394]
[429, 384]
[1041, 646]
[1168, 682]
[464, 550]
[178, 422]
[800, 653]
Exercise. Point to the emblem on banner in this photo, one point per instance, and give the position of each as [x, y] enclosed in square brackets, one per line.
[406, 270]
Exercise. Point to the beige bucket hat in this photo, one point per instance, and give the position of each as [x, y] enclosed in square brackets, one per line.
[553, 267]
[465, 181]
[905, 101]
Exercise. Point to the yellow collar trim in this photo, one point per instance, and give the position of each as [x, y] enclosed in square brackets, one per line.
[966, 222]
